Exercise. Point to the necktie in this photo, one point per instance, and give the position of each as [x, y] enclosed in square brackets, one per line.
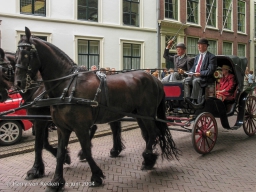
[199, 64]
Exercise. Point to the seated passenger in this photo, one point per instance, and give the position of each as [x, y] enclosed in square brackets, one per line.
[227, 84]
[202, 71]
[171, 77]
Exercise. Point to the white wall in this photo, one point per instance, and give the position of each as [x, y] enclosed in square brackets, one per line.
[63, 28]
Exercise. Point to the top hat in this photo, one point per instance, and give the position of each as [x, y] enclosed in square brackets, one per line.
[181, 45]
[203, 41]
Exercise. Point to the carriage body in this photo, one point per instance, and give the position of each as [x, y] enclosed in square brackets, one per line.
[182, 113]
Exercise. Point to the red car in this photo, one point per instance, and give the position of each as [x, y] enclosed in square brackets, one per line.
[11, 130]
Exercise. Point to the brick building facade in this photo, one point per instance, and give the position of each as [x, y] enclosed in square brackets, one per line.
[224, 23]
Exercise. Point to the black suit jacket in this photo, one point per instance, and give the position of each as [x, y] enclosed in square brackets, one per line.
[185, 63]
[208, 67]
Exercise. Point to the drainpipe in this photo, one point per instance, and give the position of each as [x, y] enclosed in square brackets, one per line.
[158, 25]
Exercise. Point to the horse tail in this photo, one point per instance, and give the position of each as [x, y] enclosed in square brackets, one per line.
[166, 142]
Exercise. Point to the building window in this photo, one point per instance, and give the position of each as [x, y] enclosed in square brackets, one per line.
[88, 53]
[227, 13]
[212, 47]
[192, 49]
[227, 48]
[131, 12]
[192, 11]
[34, 7]
[171, 9]
[39, 36]
[87, 10]
[131, 56]
[241, 50]
[211, 13]
[241, 16]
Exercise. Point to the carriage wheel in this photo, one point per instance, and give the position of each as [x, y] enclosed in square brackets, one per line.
[249, 124]
[204, 133]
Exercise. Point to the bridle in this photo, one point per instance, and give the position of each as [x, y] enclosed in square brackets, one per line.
[9, 72]
[28, 68]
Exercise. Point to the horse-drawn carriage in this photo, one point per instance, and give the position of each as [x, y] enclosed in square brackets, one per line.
[181, 112]
[80, 99]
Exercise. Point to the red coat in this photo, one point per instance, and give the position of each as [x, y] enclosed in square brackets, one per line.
[229, 84]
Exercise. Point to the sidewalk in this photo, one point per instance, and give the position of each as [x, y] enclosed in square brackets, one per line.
[27, 142]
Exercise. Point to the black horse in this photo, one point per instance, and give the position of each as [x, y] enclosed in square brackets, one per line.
[7, 63]
[78, 105]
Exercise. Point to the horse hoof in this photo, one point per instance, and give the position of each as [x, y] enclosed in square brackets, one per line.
[96, 179]
[96, 184]
[149, 160]
[145, 167]
[33, 176]
[114, 153]
[34, 173]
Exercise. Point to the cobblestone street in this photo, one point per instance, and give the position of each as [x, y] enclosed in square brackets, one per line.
[231, 166]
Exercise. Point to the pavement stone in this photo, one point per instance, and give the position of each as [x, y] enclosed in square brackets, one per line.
[27, 141]
[231, 166]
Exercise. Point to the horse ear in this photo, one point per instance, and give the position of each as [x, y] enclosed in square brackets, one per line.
[2, 53]
[28, 33]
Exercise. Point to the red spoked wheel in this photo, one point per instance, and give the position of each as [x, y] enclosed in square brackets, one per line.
[250, 116]
[204, 133]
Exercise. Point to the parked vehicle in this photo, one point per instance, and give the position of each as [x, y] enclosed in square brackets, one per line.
[11, 130]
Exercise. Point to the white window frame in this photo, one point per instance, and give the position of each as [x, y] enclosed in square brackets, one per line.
[22, 32]
[241, 32]
[141, 43]
[199, 15]
[230, 13]
[216, 18]
[210, 40]
[141, 13]
[47, 9]
[178, 19]
[99, 12]
[91, 38]
[232, 47]
[244, 49]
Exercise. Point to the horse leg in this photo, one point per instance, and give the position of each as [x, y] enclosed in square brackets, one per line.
[149, 134]
[37, 171]
[92, 132]
[84, 139]
[52, 149]
[58, 181]
[118, 145]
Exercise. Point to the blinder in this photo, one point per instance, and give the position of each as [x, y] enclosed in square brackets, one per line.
[8, 70]
[27, 67]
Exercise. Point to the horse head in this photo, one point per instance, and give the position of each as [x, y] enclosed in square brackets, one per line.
[36, 55]
[27, 62]
[6, 76]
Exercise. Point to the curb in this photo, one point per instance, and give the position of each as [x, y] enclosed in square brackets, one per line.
[30, 146]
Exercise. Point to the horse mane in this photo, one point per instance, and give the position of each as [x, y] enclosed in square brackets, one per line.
[63, 54]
